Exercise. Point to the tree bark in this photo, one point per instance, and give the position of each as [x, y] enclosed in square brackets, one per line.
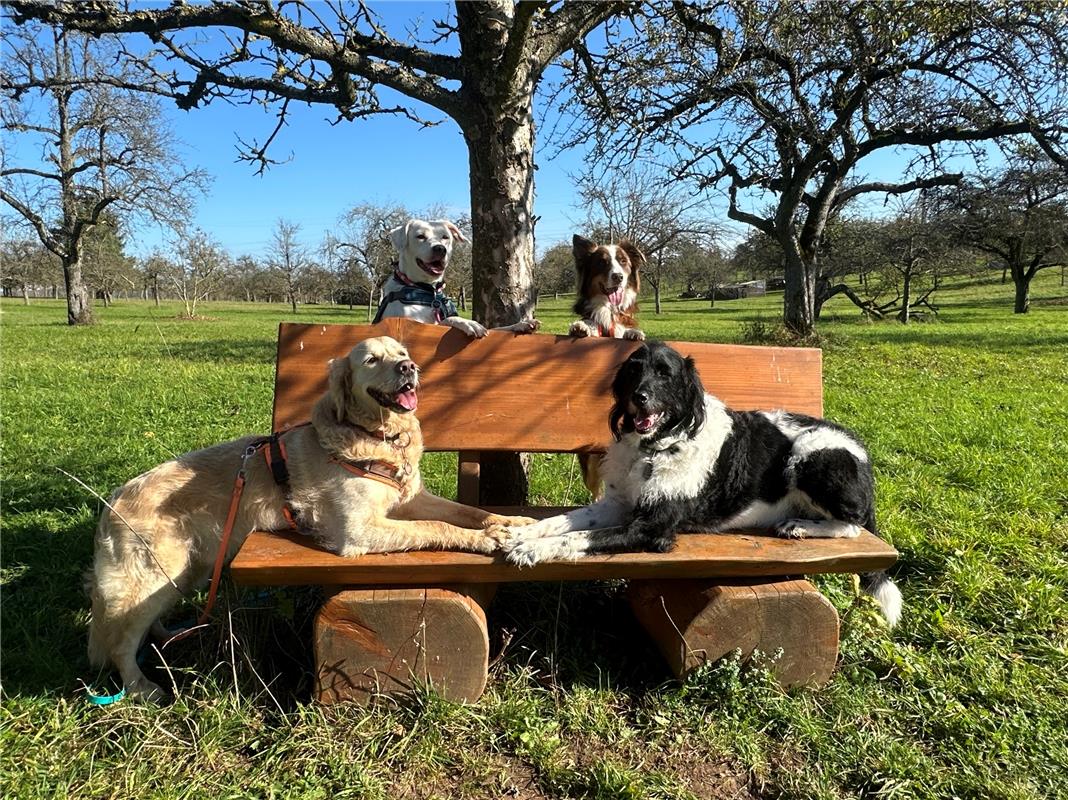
[906, 298]
[1022, 279]
[25, 294]
[799, 297]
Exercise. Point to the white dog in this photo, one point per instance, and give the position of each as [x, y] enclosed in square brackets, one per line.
[417, 288]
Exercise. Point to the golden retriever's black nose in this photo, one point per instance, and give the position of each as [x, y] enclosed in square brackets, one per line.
[439, 250]
[406, 367]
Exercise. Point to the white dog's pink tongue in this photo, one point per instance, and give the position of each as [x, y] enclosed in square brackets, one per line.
[408, 399]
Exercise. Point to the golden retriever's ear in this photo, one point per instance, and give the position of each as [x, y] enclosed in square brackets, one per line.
[340, 388]
[455, 231]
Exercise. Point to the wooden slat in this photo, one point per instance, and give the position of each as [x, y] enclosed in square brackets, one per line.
[272, 559]
[536, 393]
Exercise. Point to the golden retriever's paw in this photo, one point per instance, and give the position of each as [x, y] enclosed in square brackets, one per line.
[580, 329]
[509, 522]
[634, 335]
[496, 532]
[147, 692]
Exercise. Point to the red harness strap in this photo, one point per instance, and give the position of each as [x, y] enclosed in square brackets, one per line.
[381, 471]
[274, 453]
[609, 332]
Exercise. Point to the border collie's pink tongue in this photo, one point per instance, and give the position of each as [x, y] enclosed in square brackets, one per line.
[408, 399]
[644, 423]
[616, 298]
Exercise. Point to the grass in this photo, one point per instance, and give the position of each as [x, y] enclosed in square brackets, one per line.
[966, 417]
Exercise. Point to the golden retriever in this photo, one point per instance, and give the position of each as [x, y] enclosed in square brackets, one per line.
[159, 537]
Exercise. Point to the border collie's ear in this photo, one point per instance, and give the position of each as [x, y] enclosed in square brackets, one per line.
[581, 246]
[637, 257]
[455, 230]
[399, 237]
[340, 386]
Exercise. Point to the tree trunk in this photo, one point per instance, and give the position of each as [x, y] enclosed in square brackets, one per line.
[656, 297]
[906, 298]
[25, 294]
[79, 311]
[799, 306]
[1022, 279]
[463, 298]
[498, 127]
[293, 302]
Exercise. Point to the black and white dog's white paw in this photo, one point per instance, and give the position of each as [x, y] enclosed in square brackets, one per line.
[816, 529]
[526, 551]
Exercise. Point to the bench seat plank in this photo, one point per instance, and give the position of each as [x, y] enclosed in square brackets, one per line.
[270, 559]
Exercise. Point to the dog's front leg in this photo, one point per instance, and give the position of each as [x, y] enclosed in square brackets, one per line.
[526, 326]
[429, 506]
[581, 328]
[606, 513]
[385, 535]
[467, 326]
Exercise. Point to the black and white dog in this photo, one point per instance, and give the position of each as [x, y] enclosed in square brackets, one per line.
[683, 461]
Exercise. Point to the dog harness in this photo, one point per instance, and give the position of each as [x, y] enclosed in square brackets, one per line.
[274, 453]
[419, 294]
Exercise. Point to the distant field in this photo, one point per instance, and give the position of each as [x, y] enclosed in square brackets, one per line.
[967, 419]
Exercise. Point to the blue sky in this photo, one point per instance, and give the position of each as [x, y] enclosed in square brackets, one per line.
[380, 160]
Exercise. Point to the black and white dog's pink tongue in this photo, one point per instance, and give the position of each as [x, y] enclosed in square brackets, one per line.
[645, 423]
[408, 399]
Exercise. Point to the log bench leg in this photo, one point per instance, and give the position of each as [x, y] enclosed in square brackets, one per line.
[376, 641]
[699, 621]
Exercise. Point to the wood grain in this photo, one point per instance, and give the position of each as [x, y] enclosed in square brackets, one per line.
[274, 559]
[536, 393]
[695, 622]
[384, 641]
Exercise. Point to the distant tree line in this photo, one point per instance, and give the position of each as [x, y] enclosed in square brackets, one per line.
[348, 267]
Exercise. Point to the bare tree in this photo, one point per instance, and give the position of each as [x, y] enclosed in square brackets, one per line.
[289, 259]
[555, 271]
[105, 149]
[201, 267]
[153, 269]
[783, 101]
[367, 256]
[483, 75]
[648, 207]
[1019, 215]
[24, 265]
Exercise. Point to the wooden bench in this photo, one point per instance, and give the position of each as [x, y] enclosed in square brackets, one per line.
[392, 619]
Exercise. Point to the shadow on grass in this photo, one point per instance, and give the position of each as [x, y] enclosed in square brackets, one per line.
[575, 634]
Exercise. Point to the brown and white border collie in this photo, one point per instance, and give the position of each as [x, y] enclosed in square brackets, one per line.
[607, 302]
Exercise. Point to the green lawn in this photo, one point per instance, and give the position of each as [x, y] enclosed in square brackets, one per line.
[967, 420]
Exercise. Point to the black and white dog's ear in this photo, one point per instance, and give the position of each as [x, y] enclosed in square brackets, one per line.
[399, 237]
[695, 397]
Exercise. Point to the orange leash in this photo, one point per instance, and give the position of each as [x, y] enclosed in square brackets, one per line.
[220, 557]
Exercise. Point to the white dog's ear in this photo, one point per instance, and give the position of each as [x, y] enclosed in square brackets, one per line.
[455, 231]
[340, 387]
[399, 237]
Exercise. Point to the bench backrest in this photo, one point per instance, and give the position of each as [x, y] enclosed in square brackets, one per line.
[535, 393]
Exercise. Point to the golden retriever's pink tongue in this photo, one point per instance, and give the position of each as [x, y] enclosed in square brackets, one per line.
[408, 399]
